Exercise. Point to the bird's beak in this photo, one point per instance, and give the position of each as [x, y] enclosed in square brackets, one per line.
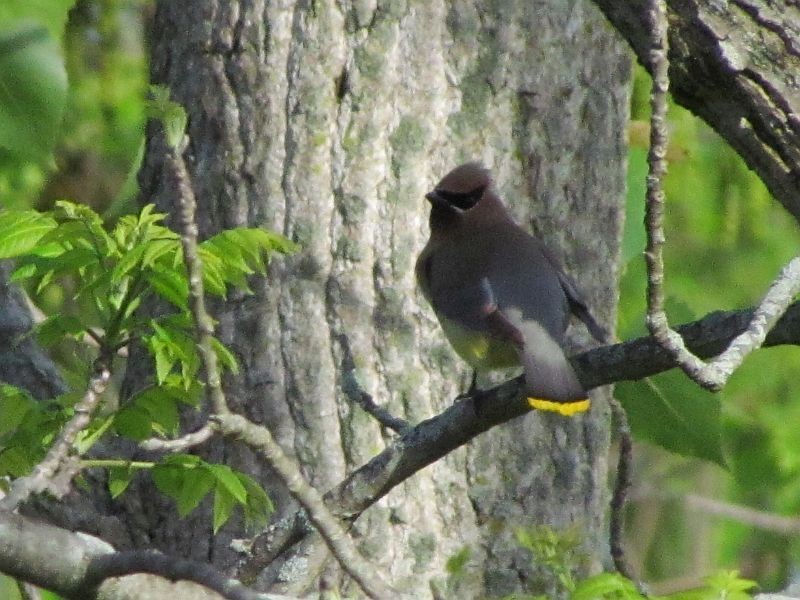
[434, 198]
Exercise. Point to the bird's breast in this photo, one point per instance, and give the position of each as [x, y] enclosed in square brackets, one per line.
[481, 351]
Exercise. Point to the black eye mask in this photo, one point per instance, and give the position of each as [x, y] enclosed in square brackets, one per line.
[462, 200]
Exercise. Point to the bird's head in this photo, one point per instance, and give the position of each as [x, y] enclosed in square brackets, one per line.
[461, 189]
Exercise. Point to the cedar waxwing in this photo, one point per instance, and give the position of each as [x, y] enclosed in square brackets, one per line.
[500, 296]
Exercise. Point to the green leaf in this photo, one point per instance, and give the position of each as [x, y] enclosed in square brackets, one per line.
[225, 356]
[259, 505]
[606, 585]
[164, 360]
[729, 584]
[16, 462]
[171, 114]
[223, 506]
[127, 263]
[133, 422]
[56, 327]
[20, 231]
[118, 480]
[15, 403]
[51, 14]
[168, 479]
[671, 411]
[230, 481]
[33, 90]
[157, 248]
[90, 436]
[196, 485]
[98, 237]
[171, 285]
[161, 408]
[213, 273]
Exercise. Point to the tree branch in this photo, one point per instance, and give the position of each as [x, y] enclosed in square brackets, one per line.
[75, 564]
[181, 444]
[352, 388]
[619, 496]
[435, 437]
[714, 374]
[733, 65]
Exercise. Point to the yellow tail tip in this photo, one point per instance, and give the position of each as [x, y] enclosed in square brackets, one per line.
[563, 408]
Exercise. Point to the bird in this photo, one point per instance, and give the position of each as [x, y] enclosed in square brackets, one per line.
[501, 297]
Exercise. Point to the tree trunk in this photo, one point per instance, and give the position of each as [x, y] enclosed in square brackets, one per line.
[328, 122]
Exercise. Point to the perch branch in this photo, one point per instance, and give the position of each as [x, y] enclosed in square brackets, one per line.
[256, 436]
[120, 564]
[435, 437]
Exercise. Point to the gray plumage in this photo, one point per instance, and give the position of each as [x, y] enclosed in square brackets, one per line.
[501, 297]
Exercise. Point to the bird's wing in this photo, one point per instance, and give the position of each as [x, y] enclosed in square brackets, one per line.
[470, 302]
[577, 305]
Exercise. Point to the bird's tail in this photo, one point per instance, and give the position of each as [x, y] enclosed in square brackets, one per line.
[551, 383]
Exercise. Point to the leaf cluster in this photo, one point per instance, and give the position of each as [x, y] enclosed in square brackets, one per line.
[113, 271]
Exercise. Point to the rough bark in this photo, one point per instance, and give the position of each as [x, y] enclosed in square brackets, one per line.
[328, 122]
[734, 64]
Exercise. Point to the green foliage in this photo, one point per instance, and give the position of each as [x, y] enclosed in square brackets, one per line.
[33, 80]
[112, 272]
[613, 586]
[171, 114]
[187, 479]
[557, 551]
[726, 239]
[609, 586]
[669, 410]
[28, 428]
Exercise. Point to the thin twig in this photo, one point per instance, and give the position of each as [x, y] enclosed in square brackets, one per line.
[205, 326]
[258, 437]
[760, 519]
[714, 374]
[619, 497]
[352, 388]
[44, 475]
[754, 517]
[654, 210]
[181, 444]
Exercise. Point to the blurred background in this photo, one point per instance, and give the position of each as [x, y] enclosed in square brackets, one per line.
[716, 478]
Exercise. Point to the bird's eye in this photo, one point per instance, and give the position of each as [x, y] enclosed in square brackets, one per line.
[462, 200]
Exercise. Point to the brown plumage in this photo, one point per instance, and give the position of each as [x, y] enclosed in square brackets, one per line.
[501, 297]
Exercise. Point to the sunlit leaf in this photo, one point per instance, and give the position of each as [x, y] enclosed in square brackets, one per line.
[227, 477]
[195, 487]
[118, 480]
[224, 503]
[20, 231]
[606, 585]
